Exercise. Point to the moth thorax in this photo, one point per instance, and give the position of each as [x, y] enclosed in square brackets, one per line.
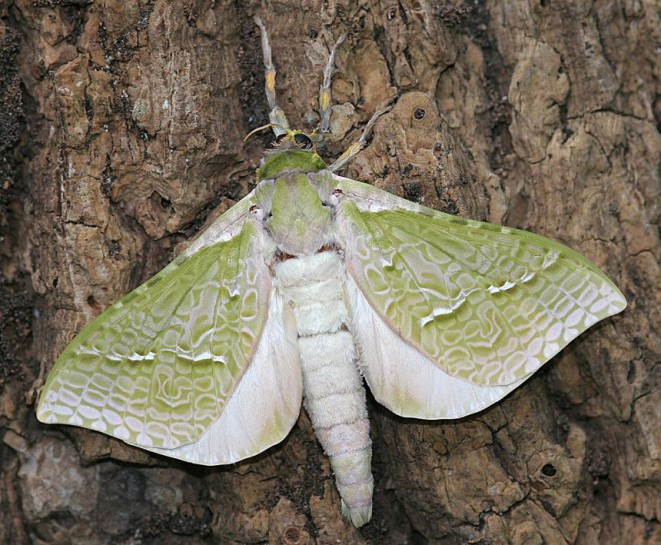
[300, 223]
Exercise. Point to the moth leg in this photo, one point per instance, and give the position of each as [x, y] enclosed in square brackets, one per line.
[355, 148]
[276, 115]
[325, 88]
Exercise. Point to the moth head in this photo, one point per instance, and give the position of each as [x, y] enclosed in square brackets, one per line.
[295, 139]
[287, 138]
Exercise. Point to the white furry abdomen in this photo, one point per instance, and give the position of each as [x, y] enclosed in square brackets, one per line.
[332, 385]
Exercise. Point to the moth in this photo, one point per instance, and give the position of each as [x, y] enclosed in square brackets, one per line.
[310, 284]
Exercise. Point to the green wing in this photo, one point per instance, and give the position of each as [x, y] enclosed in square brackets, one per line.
[158, 368]
[487, 304]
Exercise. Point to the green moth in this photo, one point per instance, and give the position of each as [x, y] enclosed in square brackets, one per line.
[309, 284]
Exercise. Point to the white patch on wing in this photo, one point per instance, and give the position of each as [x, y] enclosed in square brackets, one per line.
[506, 286]
[442, 311]
[527, 277]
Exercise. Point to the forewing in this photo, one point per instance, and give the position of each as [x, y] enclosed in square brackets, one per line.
[486, 303]
[160, 367]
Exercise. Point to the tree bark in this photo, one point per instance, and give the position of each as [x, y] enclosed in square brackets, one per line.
[122, 137]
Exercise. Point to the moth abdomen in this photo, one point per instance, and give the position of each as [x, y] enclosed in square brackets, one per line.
[334, 395]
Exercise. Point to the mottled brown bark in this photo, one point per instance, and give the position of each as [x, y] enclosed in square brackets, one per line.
[540, 115]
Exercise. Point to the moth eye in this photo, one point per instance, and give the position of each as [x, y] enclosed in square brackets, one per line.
[280, 138]
[303, 141]
[419, 113]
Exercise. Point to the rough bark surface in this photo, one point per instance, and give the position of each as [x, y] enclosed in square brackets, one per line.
[122, 126]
